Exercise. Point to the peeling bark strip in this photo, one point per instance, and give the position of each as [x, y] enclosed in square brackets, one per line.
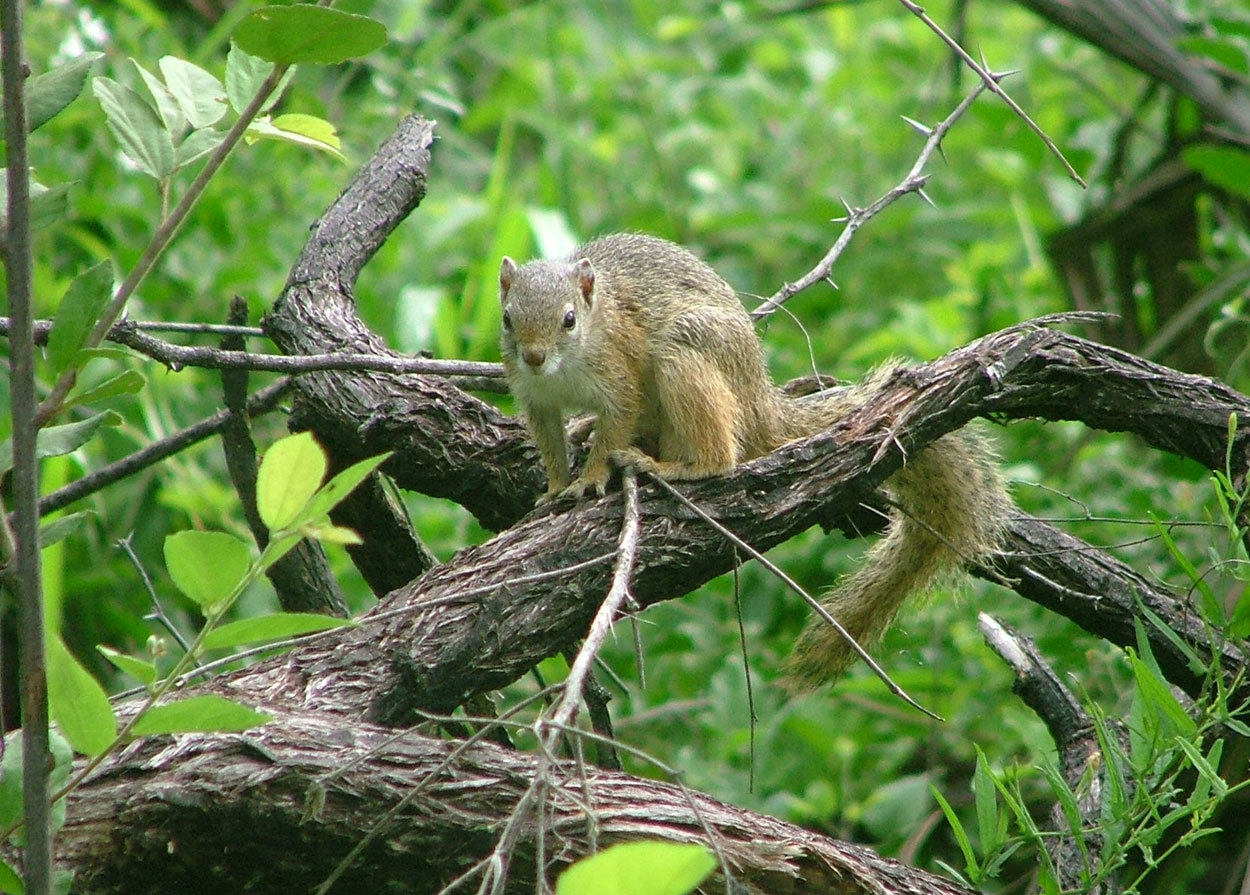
[238, 812]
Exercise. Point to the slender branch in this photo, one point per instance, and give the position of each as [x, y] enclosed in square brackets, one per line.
[913, 182]
[991, 82]
[43, 327]
[36, 807]
[263, 401]
[178, 356]
[161, 239]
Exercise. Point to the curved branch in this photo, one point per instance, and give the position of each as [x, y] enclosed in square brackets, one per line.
[287, 801]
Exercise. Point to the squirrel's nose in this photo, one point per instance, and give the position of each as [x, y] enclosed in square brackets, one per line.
[534, 357]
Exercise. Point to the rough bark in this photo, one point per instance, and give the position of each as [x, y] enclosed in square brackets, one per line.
[246, 812]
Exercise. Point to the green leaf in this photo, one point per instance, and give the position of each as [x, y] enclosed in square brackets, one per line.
[55, 441]
[961, 835]
[77, 702]
[278, 626]
[302, 130]
[1154, 688]
[989, 827]
[290, 474]
[78, 312]
[139, 669]
[199, 714]
[339, 487]
[207, 566]
[1228, 53]
[1223, 166]
[47, 94]
[333, 534]
[166, 106]
[124, 383]
[9, 879]
[135, 124]
[293, 34]
[61, 528]
[245, 74]
[200, 96]
[48, 205]
[197, 145]
[639, 868]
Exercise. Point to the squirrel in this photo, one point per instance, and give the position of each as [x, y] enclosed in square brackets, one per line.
[647, 338]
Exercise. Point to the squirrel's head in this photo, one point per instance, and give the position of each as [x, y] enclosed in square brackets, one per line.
[545, 308]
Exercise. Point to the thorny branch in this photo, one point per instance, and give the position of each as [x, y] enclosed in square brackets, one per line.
[990, 81]
[913, 182]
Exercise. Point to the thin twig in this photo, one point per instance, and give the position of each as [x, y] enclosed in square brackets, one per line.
[176, 357]
[798, 589]
[158, 611]
[265, 400]
[43, 327]
[857, 217]
[991, 80]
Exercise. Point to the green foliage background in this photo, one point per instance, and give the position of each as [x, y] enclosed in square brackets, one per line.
[738, 130]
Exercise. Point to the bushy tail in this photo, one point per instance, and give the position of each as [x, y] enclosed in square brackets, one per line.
[953, 509]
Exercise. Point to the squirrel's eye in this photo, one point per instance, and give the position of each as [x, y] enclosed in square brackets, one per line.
[570, 318]
[507, 320]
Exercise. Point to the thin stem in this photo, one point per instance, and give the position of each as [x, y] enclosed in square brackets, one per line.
[36, 756]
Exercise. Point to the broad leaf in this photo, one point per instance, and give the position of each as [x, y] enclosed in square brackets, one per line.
[140, 669]
[47, 94]
[245, 74]
[55, 441]
[125, 383]
[207, 566]
[1224, 166]
[197, 145]
[340, 486]
[293, 34]
[198, 714]
[61, 528]
[166, 106]
[639, 868]
[290, 473]
[278, 626]
[78, 312]
[10, 881]
[77, 702]
[135, 124]
[201, 96]
[302, 130]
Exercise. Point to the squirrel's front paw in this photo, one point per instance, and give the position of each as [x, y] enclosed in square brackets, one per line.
[633, 457]
[595, 485]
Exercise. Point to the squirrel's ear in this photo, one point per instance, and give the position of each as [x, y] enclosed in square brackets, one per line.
[507, 272]
[584, 276]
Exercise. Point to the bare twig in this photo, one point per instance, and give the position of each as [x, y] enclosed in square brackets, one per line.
[158, 611]
[990, 80]
[36, 806]
[798, 589]
[178, 356]
[857, 217]
[43, 327]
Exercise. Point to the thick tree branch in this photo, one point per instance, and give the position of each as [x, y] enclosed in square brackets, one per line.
[275, 809]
